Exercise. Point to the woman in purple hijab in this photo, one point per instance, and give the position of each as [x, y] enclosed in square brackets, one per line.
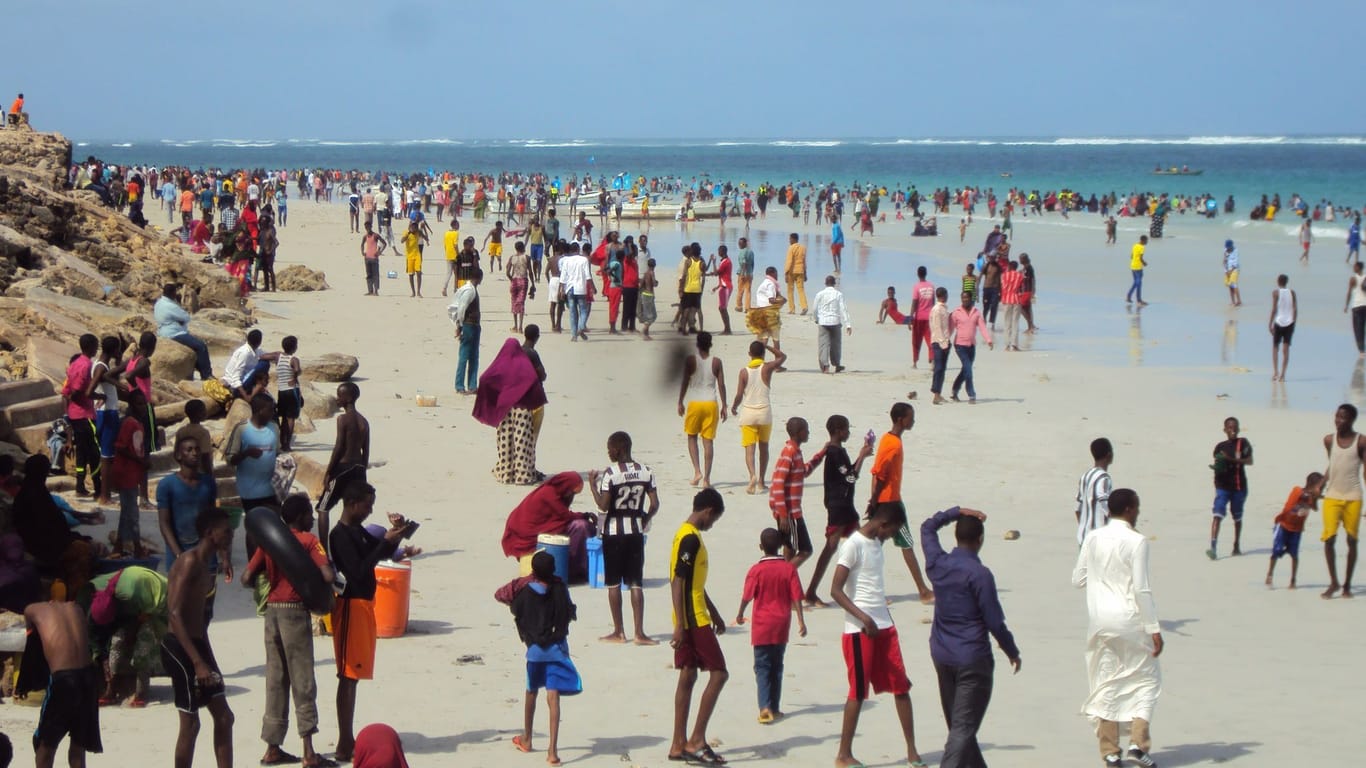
[511, 398]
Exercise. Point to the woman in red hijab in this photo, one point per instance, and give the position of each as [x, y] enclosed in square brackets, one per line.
[378, 746]
[546, 510]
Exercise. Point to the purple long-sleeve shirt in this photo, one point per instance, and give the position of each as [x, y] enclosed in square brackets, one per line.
[966, 607]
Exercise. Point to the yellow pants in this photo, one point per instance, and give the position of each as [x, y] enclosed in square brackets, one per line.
[796, 290]
[742, 291]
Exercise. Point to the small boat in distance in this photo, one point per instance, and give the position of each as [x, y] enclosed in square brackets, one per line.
[1174, 171]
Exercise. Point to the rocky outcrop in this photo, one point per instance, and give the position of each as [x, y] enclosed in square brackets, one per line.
[332, 366]
[46, 155]
[297, 277]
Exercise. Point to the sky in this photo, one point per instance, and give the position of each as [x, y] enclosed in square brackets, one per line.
[802, 69]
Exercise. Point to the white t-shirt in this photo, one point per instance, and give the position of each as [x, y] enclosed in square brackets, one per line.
[865, 586]
[768, 289]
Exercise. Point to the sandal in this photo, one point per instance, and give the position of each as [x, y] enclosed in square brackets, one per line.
[521, 746]
[703, 756]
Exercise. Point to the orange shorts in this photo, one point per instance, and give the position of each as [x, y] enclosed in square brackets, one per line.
[353, 638]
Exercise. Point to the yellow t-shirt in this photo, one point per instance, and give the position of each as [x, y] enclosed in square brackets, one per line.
[1136, 259]
[693, 282]
[688, 561]
[411, 240]
[452, 243]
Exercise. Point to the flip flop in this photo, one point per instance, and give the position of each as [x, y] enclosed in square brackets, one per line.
[703, 756]
[284, 759]
[322, 762]
[521, 746]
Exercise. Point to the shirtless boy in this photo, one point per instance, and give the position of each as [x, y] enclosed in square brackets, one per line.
[71, 706]
[493, 244]
[185, 651]
[350, 455]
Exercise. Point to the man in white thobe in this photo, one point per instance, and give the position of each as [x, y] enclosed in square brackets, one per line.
[1124, 638]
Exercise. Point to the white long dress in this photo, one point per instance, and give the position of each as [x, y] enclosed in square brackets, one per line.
[1125, 676]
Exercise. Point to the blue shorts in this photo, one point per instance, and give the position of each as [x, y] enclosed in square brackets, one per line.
[1285, 542]
[536, 252]
[1225, 499]
[551, 668]
[106, 432]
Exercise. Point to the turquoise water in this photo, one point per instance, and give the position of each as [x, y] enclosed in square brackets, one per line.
[1331, 167]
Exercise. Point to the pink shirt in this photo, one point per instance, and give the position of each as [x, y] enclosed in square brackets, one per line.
[963, 325]
[922, 296]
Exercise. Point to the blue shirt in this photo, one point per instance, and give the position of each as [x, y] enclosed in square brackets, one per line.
[837, 233]
[172, 320]
[185, 503]
[1354, 236]
[965, 604]
[254, 474]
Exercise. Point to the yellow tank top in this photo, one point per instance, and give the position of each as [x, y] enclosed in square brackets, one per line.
[693, 283]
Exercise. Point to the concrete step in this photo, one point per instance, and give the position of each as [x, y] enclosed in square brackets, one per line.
[32, 439]
[15, 392]
[31, 413]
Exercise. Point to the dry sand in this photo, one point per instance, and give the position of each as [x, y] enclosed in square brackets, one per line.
[1248, 672]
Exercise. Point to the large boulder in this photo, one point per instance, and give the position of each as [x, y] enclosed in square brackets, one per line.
[297, 277]
[332, 366]
[238, 412]
[172, 361]
[319, 404]
[48, 358]
[229, 318]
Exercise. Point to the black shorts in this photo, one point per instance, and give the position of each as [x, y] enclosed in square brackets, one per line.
[841, 516]
[71, 706]
[1282, 333]
[623, 559]
[290, 404]
[189, 694]
[336, 487]
[690, 301]
[797, 537]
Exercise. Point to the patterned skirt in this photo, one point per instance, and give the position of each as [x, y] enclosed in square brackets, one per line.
[517, 449]
[518, 290]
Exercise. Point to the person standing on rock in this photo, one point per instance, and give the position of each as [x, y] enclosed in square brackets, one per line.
[173, 323]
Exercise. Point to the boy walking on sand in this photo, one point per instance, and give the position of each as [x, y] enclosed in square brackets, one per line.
[872, 651]
[1093, 491]
[841, 516]
[1290, 524]
[542, 610]
[785, 492]
[772, 585]
[1231, 458]
[621, 491]
[696, 625]
[887, 468]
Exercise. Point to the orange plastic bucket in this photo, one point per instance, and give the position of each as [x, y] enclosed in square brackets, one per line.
[394, 582]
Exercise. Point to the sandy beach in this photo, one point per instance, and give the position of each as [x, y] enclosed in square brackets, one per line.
[1246, 671]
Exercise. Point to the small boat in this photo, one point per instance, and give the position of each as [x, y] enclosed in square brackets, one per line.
[1006, 175]
[1176, 172]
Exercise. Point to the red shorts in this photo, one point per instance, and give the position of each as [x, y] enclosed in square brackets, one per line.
[835, 248]
[1025, 296]
[875, 661]
[700, 650]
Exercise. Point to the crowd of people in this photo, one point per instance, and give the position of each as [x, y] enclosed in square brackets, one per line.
[114, 621]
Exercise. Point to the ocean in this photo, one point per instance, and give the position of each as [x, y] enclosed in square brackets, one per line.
[1189, 328]
[1329, 168]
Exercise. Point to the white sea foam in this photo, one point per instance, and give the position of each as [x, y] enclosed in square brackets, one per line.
[805, 143]
[121, 145]
[348, 143]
